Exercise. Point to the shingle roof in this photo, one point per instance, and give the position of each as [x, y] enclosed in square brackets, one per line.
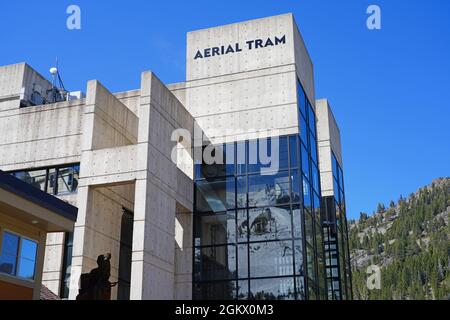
[46, 294]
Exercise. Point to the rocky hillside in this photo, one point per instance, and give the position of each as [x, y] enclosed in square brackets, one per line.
[410, 242]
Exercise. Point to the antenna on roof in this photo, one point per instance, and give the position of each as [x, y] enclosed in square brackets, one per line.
[58, 92]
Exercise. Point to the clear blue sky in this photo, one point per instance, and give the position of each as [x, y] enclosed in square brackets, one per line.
[390, 89]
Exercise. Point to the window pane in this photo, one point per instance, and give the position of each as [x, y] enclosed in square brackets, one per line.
[301, 99]
[296, 195]
[299, 267]
[241, 190]
[243, 290]
[336, 190]
[241, 157]
[270, 259]
[26, 269]
[309, 228]
[300, 286]
[215, 228]
[315, 178]
[312, 119]
[215, 263]
[297, 219]
[51, 185]
[272, 289]
[35, 178]
[242, 261]
[310, 262]
[8, 258]
[303, 131]
[313, 144]
[215, 195]
[305, 162]
[28, 249]
[268, 190]
[316, 212]
[335, 166]
[242, 226]
[270, 223]
[283, 153]
[224, 290]
[293, 151]
[266, 155]
[306, 194]
[65, 180]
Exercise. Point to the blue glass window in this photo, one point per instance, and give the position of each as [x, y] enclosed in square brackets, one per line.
[15, 263]
[303, 131]
[305, 161]
[307, 202]
[301, 99]
[10, 248]
[293, 151]
[27, 262]
[313, 144]
[315, 177]
[296, 194]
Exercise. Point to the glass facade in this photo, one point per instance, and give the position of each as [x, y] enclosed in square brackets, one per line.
[257, 230]
[337, 259]
[55, 180]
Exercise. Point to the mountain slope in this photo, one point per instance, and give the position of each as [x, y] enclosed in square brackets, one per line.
[410, 242]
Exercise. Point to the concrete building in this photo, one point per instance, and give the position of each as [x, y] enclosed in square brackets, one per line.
[133, 164]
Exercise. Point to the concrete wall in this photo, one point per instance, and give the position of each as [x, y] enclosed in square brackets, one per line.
[251, 93]
[40, 136]
[158, 192]
[329, 139]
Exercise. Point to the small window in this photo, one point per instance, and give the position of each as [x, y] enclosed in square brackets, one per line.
[18, 256]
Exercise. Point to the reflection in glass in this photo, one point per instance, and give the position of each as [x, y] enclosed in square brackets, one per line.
[213, 263]
[301, 99]
[268, 190]
[223, 290]
[241, 192]
[310, 262]
[215, 195]
[243, 289]
[303, 131]
[296, 194]
[272, 289]
[242, 261]
[312, 119]
[299, 267]
[309, 228]
[307, 201]
[8, 258]
[270, 223]
[293, 151]
[305, 161]
[242, 226]
[297, 221]
[270, 259]
[213, 229]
